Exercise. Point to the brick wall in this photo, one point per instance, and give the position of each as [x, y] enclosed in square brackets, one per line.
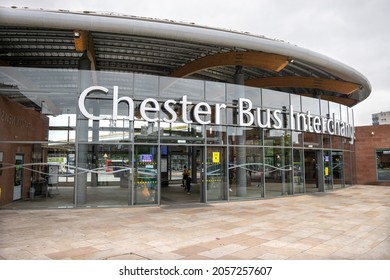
[20, 125]
[368, 139]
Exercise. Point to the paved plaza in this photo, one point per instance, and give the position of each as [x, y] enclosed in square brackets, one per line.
[351, 223]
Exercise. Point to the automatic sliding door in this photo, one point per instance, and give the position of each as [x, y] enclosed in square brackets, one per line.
[146, 174]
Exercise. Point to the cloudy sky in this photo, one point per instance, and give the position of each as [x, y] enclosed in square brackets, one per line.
[355, 32]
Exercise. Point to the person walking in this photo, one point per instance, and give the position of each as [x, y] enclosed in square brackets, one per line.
[185, 174]
[188, 181]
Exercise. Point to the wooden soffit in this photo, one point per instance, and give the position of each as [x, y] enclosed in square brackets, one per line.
[83, 42]
[261, 60]
[304, 82]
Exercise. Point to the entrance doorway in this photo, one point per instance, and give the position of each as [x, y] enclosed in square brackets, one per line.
[173, 187]
[313, 167]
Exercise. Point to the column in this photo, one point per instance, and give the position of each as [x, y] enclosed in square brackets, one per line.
[241, 151]
[82, 136]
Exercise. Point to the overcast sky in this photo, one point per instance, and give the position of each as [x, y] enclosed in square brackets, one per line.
[355, 32]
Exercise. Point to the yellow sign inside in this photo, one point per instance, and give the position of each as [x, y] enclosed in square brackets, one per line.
[215, 157]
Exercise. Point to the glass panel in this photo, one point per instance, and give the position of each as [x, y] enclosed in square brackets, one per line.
[215, 92]
[336, 142]
[32, 178]
[145, 175]
[182, 133]
[180, 159]
[216, 134]
[297, 139]
[298, 171]
[278, 172]
[337, 169]
[232, 115]
[62, 128]
[124, 81]
[296, 102]
[383, 165]
[145, 86]
[326, 144]
[254, 95]
[216, 174]
[275, 137]
[59, 174]
[246, 172]
[234, 92]
[348, 169]
[350, 116]
[275, 99]
[311, 104]
[334, 108]
[312, 158]
[245, 136]
[172, 88]
[344, 113]
[104, 174]
[145, 131]
[328, 172]
[107, 129]
[312, 140]
[324, 108]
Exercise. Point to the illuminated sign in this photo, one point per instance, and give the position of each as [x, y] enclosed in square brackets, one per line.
[146, 158]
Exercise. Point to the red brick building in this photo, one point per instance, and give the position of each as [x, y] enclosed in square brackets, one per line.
[18, 124]
[372, 148]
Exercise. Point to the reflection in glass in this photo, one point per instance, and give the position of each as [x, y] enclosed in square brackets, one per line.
[383, 165]
[312, 140]
[145, 175]
[311, 104]
[246, 136]
[328, 171]
[336, 142]
[216, 134]
[296, 102]
[216, 184]
[108, 175]
[215, 92]
[334, 108]
[96, 167]
[312, 158]
[181, 133]
[246, 173]
[273, 137]
[348, 168]
[337, 169]
[145, 86]
[297, 139]
[173, 88]
[326, 141]
[145, 131]
[278, 171]
[298, 171]
[324, 107]
[275, 99]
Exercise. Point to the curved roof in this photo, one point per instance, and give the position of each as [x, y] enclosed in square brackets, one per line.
[57, 39]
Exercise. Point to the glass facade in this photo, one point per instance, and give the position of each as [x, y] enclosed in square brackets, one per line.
[383, 164]
[120, 139]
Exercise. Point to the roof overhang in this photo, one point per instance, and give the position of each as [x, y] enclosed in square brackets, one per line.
[41, 38]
